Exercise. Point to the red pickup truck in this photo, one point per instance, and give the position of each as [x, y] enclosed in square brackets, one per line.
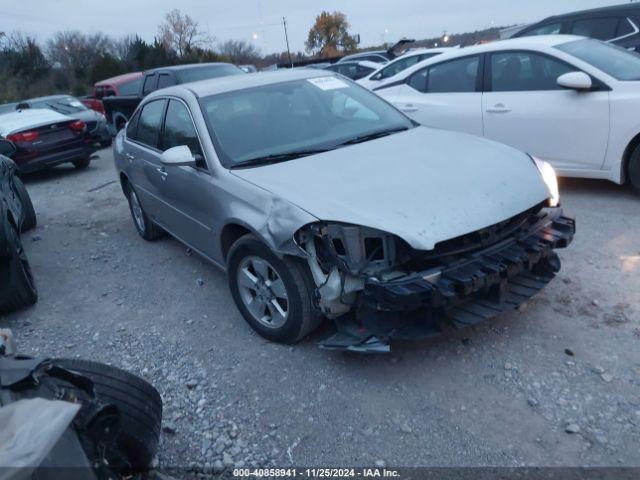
[126, 84]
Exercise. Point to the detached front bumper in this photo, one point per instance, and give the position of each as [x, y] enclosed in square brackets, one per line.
[461, 292]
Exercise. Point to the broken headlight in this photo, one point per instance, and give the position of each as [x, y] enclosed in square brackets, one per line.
[550, 179]
[356, 249]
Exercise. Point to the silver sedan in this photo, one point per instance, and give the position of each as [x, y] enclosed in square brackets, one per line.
[321, 200]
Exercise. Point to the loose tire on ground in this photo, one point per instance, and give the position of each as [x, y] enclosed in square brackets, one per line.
[82, 163]
[138, 403]
[302, 317]
[144, 225]
[29, 219]
[18, 290]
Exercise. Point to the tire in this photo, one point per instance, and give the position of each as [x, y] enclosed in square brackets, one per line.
[20, 289]
[82, 163]
[105, 143]
[138, 403]
[633, 169]
[144, 225]
[301, 316]
[29, 219]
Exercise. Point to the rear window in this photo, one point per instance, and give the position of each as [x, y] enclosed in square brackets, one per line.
[615, 61]
[131, 87]
[203, 73]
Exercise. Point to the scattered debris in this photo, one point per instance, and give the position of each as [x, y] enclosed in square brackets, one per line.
[572, 428]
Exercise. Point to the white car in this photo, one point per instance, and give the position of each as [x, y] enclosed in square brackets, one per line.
[569, 100]
[400, 64]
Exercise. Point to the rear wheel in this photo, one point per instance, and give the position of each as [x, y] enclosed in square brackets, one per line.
[274, 295]
[82, 163]
[138, 403]
[19, 289]
[29, 220]
[144, 225]
[633, 169]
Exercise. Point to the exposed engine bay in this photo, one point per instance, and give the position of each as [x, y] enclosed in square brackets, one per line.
[377, 288]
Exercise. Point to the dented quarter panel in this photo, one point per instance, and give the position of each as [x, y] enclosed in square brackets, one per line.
[424, 185]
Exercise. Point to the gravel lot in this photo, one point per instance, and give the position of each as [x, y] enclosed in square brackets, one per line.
[557, 383]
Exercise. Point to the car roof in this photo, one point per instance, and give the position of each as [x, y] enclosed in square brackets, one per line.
[213, 86]
[186, 66]
[119, 79]
[512, 43]
[622, 8]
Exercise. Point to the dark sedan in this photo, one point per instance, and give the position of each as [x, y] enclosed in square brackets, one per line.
[72, 107]
[45, 138]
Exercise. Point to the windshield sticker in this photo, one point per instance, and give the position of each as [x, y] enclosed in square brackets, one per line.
[75, 103]
[328, 83]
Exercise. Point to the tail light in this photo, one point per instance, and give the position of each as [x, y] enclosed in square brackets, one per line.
[23, 137]
[77, 126]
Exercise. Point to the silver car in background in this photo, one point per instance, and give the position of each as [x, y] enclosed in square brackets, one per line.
[320, 199]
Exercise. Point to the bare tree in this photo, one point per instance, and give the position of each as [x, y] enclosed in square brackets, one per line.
[179, 33]
[239, 51]
[75, 51]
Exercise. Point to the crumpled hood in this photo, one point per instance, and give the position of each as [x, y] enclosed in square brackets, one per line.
[424, 185]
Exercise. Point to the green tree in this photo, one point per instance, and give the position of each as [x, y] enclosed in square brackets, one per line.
[330, 36]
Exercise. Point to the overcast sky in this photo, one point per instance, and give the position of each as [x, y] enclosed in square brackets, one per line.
[259, 21]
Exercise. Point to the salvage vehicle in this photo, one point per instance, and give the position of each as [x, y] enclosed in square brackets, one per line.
[354, 70]
[17, 287]
[73, 419]
[618, 24]
[568, 100]
[119, 109]
[125, 84]
[44, 138]
[399, 64]
[321, 199]
[72, 107]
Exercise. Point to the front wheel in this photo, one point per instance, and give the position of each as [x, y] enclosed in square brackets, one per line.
[19, 289]
[273, 295]
[633, 169]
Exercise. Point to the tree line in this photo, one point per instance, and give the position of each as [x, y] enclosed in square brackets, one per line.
[72, 61]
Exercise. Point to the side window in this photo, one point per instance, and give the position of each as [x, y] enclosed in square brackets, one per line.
[149, 123]
[179, 129]
[455, 76]
[99, 92]
[346, 107]
[165, 80]
[525, 71]
[598, 28]
[132, 126]
[149, 84]
[625, 27]
[549, 29]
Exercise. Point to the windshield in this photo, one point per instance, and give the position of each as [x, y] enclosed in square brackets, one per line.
[203, 73]
[621, 64]
[62, 105]
[310, 115]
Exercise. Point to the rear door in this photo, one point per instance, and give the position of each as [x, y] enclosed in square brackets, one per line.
[524, 107]
[186, 192]
[443, 95]
[143, 155]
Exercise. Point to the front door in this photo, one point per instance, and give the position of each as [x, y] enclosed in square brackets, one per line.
[524, 107]
[187, 193]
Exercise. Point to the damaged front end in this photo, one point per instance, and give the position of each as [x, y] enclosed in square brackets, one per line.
[377, 288]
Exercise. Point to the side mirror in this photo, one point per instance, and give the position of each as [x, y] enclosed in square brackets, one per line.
[7, 148]
[575, 81]
[180, 156]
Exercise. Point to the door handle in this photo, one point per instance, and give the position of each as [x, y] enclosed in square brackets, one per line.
[163, 173]
[409, 108]
[129, 156]
[499, 108]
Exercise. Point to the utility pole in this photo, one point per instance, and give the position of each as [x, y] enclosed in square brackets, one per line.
[286, 36]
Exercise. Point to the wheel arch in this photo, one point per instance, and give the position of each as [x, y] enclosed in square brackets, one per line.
[124, 183]
[626, 158]
[230, 233]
